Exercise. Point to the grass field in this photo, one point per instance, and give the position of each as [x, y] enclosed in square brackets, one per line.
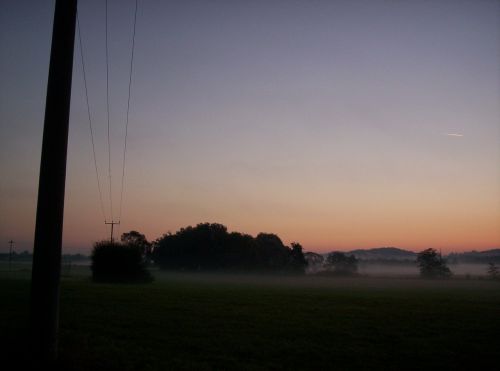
[227, 322]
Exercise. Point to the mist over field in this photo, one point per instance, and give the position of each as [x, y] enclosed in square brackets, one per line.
[365, 269]
[373, 269]
[376, 269]
[377, 262]
[214, 319]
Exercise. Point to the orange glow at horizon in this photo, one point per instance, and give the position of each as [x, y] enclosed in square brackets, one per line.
[338, 125]
[342, 217]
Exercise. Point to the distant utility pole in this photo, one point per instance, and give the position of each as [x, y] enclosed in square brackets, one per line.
[112, 223]
[10, 254]
[46, 272]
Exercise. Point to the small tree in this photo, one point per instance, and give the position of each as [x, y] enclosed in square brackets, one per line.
[432, 265]
[493, 271]
[342, 264]
[117, 262]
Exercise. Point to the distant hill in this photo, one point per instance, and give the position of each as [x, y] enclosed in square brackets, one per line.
[383, 253]
[483, 257]
[394, 254]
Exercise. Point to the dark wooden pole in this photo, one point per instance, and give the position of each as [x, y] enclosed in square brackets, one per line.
[112, 223]
[44, 305]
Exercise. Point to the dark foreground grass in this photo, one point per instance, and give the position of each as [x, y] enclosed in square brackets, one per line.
[206, 322]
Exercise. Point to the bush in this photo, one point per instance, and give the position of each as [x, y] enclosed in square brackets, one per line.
[116, 262]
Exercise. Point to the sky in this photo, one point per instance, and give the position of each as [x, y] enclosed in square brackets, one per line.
[336, 124]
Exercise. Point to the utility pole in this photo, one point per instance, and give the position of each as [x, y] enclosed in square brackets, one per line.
[112, 223]
[10, 254]
[46, 272]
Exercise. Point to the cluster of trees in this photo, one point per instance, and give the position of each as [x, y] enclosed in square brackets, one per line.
[432, 265]
[342, 264]
[429, 261]
[209, 246]
[336, 263]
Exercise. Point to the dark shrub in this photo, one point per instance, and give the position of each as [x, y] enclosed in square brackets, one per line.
[116, 262]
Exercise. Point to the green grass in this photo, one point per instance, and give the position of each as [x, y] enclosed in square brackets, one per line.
[210, 322]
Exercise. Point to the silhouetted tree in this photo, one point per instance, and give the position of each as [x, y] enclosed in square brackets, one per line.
[240, 252]
[117, 262]
[273, 253]
[432, 265]
[135, 238]
[493, 271]
[342, 264]
[192, 248]
[210, 247]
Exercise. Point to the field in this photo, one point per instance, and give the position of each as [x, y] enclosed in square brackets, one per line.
[229, 322]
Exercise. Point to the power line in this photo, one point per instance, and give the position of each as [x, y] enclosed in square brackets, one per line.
[107, 109]
[128, 110]
[108, 118]
[89, 116]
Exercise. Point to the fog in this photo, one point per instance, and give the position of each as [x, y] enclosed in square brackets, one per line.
[367, 268]
[461, 269]
[364, 269]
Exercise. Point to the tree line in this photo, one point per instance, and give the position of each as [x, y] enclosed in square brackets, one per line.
[429, 261]
[204, 247]
[210, 247]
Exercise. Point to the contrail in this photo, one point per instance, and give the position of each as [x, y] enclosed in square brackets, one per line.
[454, 135]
